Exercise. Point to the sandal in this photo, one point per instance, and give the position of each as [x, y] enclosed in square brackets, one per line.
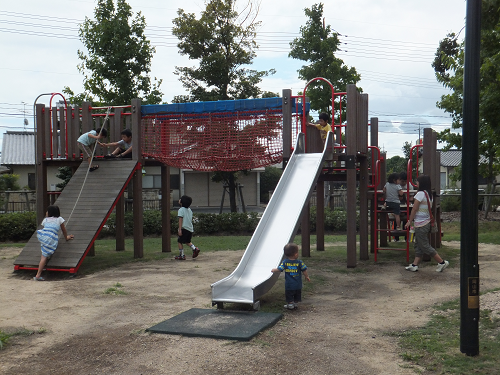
[92, 169]
[109, 156]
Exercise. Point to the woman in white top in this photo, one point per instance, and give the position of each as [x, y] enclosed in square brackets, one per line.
[420, 213]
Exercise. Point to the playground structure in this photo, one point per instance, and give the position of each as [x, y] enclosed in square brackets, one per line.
[224, 136]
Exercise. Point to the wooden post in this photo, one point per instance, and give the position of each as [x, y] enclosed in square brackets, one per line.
[287, 125]
[55, 140]
[320, 216]
[137, 179]
[165, 209]
[362, 147]
[62, 133]
[383, 215]
[120, 224]
[42, 199]
[373, 217]
[363, 209]
[73, 119]
[304, 230]
[352, 118]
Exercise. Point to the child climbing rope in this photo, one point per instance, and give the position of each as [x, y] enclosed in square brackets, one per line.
[86, 140]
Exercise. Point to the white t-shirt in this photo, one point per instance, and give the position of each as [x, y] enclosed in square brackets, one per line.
[422, 216]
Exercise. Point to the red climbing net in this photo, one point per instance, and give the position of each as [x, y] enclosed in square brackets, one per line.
[226, 141]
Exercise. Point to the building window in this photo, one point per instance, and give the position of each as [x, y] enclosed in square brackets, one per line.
[31, 181]
[154, 181]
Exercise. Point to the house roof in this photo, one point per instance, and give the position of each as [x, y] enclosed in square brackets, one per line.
[18, 148]
[453, 158]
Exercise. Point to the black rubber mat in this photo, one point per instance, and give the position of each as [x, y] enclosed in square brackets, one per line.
[218, 324]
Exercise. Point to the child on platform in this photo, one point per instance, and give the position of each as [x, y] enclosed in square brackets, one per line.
[294, 268]
[185, 230]
[86, 140]
[49, 237]
[322, 125]
[123, 146]
[393, 192]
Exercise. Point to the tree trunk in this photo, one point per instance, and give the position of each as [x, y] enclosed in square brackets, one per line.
[232, 193]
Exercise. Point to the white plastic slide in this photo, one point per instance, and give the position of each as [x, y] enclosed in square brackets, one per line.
[252, 278]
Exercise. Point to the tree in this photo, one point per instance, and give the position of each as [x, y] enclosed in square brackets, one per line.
[449, 68]
[65, 174]
[118, 61]
[268, 182]
[396, 164]
[318, 45]
[222, 40]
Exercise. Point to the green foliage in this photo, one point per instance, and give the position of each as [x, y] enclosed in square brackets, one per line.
[450, 203]
[115, 290]
[396, 164]
[318, 45]
[65, 174]
[335, 220]
[17, 226]
[8, 181]
[268, 181]
[204, 223]
[4, 338]
[118, 61]
[449, 67]
[222, 40]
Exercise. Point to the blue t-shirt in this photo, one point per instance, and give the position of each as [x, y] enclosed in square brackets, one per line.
[86, 140]
[293, 273]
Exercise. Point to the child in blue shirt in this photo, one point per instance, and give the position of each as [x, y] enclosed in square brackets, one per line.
[294, 268]
[186, 229]
[87, 140]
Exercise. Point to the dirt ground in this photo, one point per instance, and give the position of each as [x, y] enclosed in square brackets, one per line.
[338, 329]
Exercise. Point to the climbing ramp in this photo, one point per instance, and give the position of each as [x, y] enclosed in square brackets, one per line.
[252, 278]
[98, 198]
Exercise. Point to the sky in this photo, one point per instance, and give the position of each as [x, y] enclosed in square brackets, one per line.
[390, 43]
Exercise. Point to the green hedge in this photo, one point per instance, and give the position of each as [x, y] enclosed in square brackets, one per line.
[203, 223]
[21, 226]
[17, 226]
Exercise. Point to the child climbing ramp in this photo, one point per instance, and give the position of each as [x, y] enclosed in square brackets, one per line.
[49, 237]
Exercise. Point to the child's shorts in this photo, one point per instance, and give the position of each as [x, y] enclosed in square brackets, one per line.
[186, 236]
[87, 152]
[395, 207]
[294, 295]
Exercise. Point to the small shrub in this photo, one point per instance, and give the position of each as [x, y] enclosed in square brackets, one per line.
[17, 226]
[450, 203]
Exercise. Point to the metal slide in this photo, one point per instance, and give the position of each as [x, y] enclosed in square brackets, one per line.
[252, 278]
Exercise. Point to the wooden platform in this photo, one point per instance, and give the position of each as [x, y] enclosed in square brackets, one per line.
[98, 198]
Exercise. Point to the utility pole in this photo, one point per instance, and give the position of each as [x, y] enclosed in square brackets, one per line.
[24, 112]
[469, 267]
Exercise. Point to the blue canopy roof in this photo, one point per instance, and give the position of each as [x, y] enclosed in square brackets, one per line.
[218, 106]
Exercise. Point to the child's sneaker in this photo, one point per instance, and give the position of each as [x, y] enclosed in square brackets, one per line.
[196, 251]
[38, 278]
[180, 257]
[441, 267]
[412, 268]
[289, 306]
